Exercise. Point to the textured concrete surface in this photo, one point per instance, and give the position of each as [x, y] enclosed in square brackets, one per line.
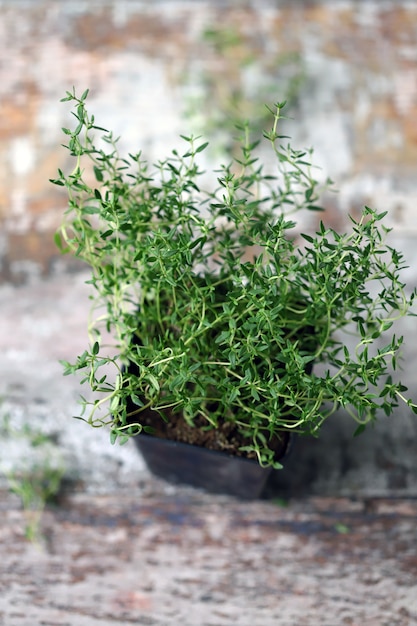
[162, 556]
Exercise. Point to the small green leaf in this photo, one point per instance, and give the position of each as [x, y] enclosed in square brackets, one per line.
[98, 174]
[78, 129]
[202, 147]
[360, 429]
[308, 194]
[154, 382]
[115, 401]
[113, 437]
[60, 243]
[342, 529]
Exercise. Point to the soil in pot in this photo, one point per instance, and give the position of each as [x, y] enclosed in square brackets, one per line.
[206, 459]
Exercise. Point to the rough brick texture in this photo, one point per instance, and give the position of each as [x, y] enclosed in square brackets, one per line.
[357, 103]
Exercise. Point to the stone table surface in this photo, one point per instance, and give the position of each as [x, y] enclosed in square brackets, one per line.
[162, 555]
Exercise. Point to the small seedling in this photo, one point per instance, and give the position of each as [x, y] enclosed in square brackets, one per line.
[37, 479]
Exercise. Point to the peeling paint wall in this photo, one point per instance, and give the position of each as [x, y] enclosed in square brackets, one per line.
[357, 104]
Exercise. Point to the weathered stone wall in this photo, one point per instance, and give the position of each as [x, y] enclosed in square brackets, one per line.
[356, 102]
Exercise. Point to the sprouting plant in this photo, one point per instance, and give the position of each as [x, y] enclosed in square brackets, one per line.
[37, 479]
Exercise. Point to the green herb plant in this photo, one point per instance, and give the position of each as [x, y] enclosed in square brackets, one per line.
[36, 480]
[217, 310]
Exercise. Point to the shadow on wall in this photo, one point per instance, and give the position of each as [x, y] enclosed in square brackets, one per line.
[379, 462]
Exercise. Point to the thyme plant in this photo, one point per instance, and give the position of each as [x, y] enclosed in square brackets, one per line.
[216, 309]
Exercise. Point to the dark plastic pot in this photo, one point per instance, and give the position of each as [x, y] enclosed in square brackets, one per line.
[215, 472]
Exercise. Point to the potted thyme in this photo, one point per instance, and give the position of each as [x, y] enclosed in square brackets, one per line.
[227, 327]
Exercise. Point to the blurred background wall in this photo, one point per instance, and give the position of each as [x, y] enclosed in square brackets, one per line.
[158, 68]
[348, 70]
